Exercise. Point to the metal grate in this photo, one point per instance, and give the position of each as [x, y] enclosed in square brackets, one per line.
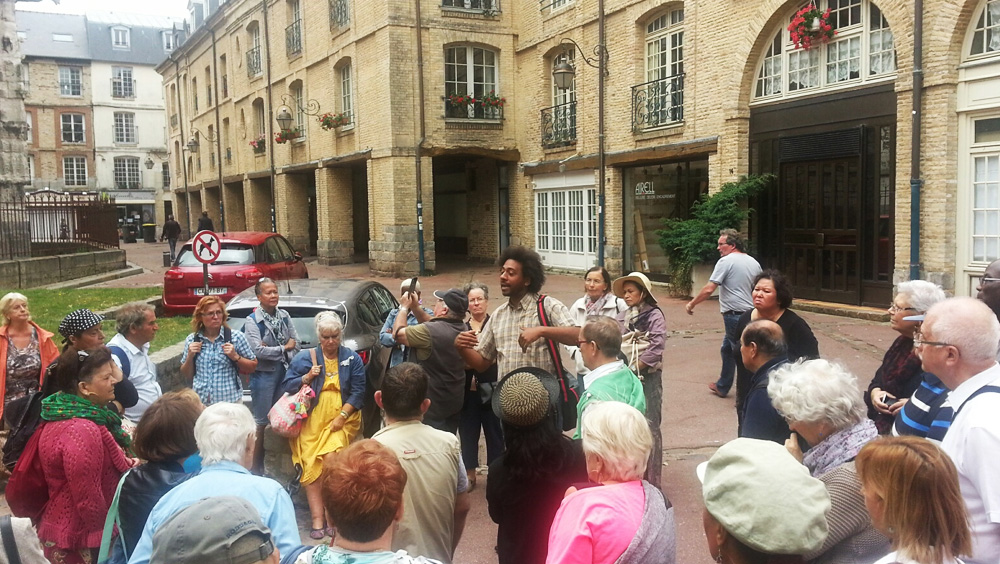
[820, 146]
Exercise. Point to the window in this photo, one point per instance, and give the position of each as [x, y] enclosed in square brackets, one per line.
[125, 128]
[484, 5]
[31, 167]
[986, 35]
[554, 5]
[293, 33]
[566, 222]
[663, 91]
[224, 81]
[72, 128]
[62, 37]
[253, 54]
[127, 173]
[986, 189]
[260, 121]
[166, 176]
[346, 93]
[470, 70]
[169, 41]
[70, 81]
[120, 37]
[28, 120]
[208, 85]
[300, 112]
[75, 171]
[862, 50]
[194, 93]
[559, 121]
[340, 13]
[122, 85]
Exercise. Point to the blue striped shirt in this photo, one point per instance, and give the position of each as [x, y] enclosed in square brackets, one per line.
[917, 415]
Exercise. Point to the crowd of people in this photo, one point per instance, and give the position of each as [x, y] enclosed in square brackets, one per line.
[823, 470]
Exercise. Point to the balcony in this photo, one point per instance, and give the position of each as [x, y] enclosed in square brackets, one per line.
[340, 16]
[472, 111]
[559, 125]
[123, 88]
[658, 103]
[293, 38]
[128, 185]
[253, 62]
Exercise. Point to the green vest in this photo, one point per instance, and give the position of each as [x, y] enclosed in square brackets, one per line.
[621, 385]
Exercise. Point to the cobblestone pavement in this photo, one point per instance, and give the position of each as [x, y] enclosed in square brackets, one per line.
[694, 421]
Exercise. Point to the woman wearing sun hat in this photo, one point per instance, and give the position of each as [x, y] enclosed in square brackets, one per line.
[527, 482]
[644, 316]
[761, 505]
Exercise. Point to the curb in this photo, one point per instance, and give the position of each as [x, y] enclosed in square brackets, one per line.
[131, 270]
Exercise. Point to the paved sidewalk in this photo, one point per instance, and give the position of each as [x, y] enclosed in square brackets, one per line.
[694, 421]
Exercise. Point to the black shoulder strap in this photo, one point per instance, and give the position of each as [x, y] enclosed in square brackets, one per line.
[9, 544]
[984, 389]
[123, 358]
[227, 334]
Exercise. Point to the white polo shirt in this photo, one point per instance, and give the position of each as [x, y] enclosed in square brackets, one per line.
[973, 443]
[142, 376]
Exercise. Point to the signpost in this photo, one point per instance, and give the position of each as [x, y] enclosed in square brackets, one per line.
[206, 247]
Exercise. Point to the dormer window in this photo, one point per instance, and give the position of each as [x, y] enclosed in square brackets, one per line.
[120, 37]
[169, 42]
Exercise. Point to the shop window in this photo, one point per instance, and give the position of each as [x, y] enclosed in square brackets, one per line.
[986, 34]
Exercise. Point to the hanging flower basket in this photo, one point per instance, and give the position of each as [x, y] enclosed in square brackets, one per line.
[491, 101]
[330, 121]
[809, 26]
[461, 100]
[259, 144]
[286, 135]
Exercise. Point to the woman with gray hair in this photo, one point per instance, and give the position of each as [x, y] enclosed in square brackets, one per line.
[624, 519]
[820, 401]
[337, 377]
[900, 374]
[477, 410]
[272, 336]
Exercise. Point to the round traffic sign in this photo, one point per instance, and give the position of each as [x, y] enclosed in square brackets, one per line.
[206, 247]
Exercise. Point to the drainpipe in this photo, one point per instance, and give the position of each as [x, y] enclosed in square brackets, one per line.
[270, 118]
[423, 136]
[180, 124]
[915, 181]
[218, 135]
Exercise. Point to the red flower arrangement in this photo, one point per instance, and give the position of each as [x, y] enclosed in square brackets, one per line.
[459, 100]
[491, 100]
[810, 24]
[286, 135]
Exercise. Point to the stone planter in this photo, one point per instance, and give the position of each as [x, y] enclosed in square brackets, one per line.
[699, 277]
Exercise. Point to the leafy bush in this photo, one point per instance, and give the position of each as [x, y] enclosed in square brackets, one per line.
[688, 242]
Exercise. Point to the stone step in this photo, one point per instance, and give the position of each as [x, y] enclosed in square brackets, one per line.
[130, 270]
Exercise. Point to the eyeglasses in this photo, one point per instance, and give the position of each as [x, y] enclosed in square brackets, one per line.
[213, 314]
[896, 309]
[581, 342]
[984, 280]
[918, 341]
[476, 300]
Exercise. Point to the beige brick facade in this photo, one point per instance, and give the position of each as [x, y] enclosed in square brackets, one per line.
[361, 180]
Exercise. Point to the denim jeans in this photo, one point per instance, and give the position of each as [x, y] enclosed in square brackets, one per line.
[477, 415]
[652, 389]
[173, 248]
[730, 348]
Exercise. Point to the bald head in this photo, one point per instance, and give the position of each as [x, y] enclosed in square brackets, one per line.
[965, 324]
[991, 277]
[762, 341]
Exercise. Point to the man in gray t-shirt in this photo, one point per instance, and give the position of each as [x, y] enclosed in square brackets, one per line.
[733, 275]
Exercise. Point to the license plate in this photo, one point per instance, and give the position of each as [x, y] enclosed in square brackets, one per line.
[211, 291]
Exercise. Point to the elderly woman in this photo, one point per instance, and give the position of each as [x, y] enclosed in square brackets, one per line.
[80, 448]
[164, 438]
[597, 300]
[477, 411]
[761, 505]
[644, 317]
[821, 403]
[772, 296]
[912, 493]
[625, 519]
[337, 377]
[527, 483]
[900, 374]
[26, 350]
[363, 493]
[214, 355]
[271, 335]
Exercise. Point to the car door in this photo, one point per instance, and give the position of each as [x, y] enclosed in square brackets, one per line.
[294, 267]
[274, 260]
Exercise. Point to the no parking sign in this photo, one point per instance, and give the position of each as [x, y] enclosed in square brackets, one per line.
[206, 248]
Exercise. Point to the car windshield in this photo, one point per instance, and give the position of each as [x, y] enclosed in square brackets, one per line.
[302, 318]
[232, 253]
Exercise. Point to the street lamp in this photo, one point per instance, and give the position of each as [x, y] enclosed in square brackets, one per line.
[149, 163]
[284, 118]
[192, 145]
[563, 74]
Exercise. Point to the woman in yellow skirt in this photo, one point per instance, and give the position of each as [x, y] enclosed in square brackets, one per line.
[337, 377]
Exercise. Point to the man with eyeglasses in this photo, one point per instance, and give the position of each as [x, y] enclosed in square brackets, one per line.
[958, 343]
[609, 378]
[989, 278]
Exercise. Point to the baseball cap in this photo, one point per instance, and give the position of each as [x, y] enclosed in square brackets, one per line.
[455, 299]
[764, 497]
[215, 530]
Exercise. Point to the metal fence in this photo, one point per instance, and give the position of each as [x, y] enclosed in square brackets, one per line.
[50, 217]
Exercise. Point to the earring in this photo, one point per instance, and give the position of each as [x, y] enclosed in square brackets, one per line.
[718, 557]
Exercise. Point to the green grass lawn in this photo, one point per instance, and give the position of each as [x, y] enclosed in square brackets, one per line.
[49, 307]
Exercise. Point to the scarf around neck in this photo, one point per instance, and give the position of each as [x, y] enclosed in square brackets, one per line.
[61, 406]
[595, 307]
[273, 322]
[839, 447]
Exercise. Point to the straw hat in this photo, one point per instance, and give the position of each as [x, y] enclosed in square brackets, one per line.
[618, 286]
[526, 396]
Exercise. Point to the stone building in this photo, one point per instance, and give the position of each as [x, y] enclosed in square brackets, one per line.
[95, 107]
[13, 165]
[697, 93]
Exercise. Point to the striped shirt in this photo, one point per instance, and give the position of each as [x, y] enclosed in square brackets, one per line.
[216, 378]
[498, 338]
[916, 415]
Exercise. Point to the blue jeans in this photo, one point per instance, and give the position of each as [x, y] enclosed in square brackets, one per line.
[477, 415]
[173, 248]
[730, 348]
[265, 391]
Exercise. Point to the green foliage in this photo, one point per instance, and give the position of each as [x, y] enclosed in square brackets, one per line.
[688, 242]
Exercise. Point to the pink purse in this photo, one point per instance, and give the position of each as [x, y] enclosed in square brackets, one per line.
[287, 415]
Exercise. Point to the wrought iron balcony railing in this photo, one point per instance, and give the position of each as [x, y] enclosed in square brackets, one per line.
[128, 185]
[293, 38]
[559, 125]
[472, 111]
[121, 88]
[658, 103]
[253, 62]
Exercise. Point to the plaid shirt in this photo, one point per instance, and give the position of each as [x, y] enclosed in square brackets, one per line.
[216, 378]
[498, 339]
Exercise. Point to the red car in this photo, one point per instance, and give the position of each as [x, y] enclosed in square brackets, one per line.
[246, 257]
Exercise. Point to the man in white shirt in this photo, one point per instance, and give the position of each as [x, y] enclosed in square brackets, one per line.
[136, 328]
[957, 342]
